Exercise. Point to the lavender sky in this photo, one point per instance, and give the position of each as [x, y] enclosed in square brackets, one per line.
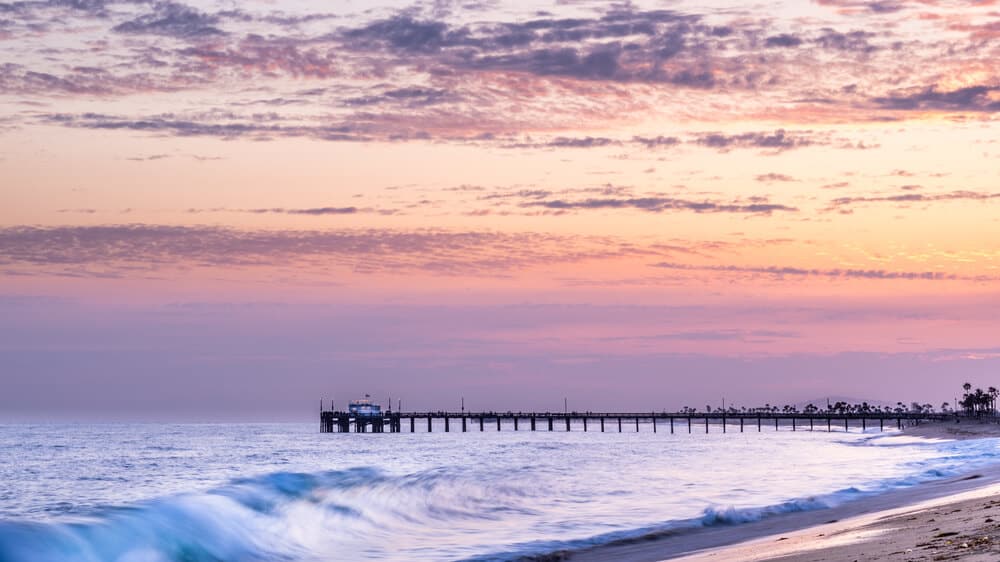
[229, 210]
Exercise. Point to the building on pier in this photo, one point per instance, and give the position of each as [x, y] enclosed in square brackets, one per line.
[364, 408]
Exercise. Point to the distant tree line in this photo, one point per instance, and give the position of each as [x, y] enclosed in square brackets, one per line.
[974, 403]
[979, 403]
[839, 407]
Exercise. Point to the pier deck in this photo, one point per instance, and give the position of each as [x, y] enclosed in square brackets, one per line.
[672, 422]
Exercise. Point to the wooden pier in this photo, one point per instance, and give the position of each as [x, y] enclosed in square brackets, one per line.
[428, 422]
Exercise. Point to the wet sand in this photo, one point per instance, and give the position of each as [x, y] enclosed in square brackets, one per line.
[949, 519]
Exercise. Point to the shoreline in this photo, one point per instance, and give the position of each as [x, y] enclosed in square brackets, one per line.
[838, 531]
[953, 527]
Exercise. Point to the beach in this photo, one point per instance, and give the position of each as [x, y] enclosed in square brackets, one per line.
[950, 519]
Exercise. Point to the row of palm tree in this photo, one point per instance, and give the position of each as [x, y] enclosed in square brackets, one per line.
[979, 403]
[974, 403]
[839, 407]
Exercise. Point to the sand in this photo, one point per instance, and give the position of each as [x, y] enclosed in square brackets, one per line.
[950, 430]
[950, 519]
[949, 528]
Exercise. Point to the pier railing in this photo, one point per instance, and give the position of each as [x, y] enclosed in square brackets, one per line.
[426, 422]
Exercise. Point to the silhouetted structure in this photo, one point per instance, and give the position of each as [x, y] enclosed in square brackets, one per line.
[408, 422]
[366, 417]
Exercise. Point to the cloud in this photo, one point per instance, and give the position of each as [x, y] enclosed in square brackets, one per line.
[778, 140]
[268, 56]
[865, 6]
[728, 334]
[174, 20]
[603, 63]
[425, 72]
[16, 79]
[137, 249]
[305, 211]
[519, 194]
[149, 158]
[406, 34]
[973, 98]
[410, 96]
[314, 211]
[623, 44]
[659, 141]
[852, 41]
[773, 177]
[783, 40]
[663, 204]
[567, 142]
[961, 195]
[393, 128]
[786, 271]
[204, 126]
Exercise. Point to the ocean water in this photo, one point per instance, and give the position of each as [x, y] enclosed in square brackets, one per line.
[255, 492]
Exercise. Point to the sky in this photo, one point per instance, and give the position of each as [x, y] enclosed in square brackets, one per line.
[233, 210]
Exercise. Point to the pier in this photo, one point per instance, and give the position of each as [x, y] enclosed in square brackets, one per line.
[618, 422]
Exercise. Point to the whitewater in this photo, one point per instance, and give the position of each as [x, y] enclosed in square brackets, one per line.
[255, 492]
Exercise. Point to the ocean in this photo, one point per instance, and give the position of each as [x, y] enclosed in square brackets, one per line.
[256, 492]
